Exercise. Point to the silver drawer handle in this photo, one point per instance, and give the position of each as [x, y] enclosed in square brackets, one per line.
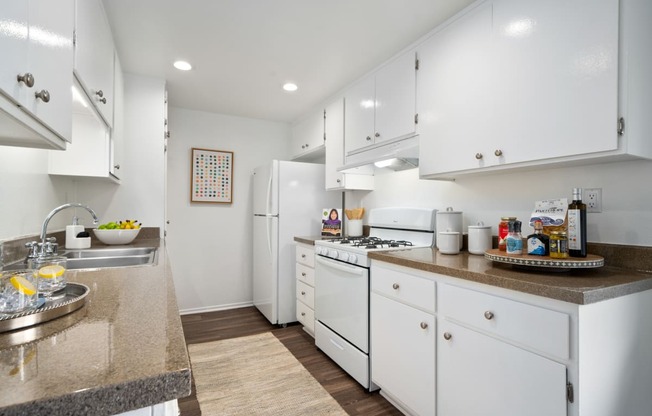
[489, 315]
[44, 95]
[424, 325]
[498, 153]
[303, 314]
[395, 286]
[447, 336]
[478, 156]
[303, 256]
[303, 293]
[27, 79]
[303, 274]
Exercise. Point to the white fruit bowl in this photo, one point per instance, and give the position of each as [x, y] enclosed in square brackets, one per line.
[116, 236]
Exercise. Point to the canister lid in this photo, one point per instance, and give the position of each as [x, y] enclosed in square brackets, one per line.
[480, 226]
[449, 210]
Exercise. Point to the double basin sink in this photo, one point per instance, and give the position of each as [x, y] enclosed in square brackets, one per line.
[98, 258]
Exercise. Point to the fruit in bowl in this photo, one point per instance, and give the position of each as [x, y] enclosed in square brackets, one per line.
[119, 232]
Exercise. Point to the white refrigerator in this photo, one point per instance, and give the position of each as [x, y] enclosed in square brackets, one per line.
[288, 200]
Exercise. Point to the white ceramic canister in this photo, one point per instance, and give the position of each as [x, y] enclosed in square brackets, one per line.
[479, 238]
[447, 242]
[450, 221]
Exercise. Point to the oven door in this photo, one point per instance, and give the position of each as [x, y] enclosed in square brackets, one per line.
[342, 300]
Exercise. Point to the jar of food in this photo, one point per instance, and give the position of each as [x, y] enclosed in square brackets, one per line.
[558, 245]
[503, 230]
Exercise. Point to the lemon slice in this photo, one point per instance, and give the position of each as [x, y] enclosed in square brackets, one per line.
[51, 271]
[22, 285]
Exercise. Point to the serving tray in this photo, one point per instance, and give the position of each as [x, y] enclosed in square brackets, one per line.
[545, 262]
[72, 298]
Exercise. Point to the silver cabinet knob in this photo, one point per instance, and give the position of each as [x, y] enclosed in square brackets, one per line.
[27, 79]
[447, 336]
[303, 314]
[102, 100]
[303, 274]
[44, 95]
[395, 286]
[303, 256]
[368, 138]
[423, 325]
[99, 93]
[478, 156]
[339, 181]
[498, 153]
[377, 134]
[116, 166]
[303, 292]
[489, 315]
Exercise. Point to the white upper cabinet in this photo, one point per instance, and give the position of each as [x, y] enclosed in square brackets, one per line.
[517, 83]
[308, 136]
[334, 158]
[36, 75]
[381, 107]
[94, 54]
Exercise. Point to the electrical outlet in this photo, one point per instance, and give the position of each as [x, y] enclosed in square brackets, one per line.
[593, 199]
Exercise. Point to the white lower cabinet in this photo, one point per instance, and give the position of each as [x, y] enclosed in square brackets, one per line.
[480, 375]
[403, 354]
[305, 275]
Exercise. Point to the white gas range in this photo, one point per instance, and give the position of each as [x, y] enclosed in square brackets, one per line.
[342, 283]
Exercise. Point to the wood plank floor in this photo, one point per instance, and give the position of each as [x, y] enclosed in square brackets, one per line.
[212, 326]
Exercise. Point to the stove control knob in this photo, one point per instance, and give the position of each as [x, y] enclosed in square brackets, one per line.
[333, 253]
[319, 250]
[353, 258]
[344, 256]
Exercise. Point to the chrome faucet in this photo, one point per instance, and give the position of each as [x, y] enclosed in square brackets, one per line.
[48, 246]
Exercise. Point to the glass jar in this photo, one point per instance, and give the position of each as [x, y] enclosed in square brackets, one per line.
[558, 245]
[503, 230]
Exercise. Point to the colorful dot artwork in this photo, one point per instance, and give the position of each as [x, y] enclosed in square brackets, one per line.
[212, 172]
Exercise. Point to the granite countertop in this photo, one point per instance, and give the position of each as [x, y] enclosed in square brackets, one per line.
[576, 286]
[123, 350]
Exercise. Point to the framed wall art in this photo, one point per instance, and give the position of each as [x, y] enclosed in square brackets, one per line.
[211, 178]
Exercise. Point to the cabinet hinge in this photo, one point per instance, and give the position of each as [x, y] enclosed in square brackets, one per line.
[416, 118]
[621, 126]
[167, 134]
[324, 114]
[416, 64]
[74, 38]
[570, 394]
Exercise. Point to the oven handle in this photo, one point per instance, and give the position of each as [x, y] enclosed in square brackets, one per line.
[358, 271]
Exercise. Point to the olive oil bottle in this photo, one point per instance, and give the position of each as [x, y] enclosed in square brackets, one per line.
[577, 225]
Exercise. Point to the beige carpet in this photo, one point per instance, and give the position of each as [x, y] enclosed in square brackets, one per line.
[256, 375]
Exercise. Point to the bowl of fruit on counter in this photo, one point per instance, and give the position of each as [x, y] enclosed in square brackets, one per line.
[118, 232]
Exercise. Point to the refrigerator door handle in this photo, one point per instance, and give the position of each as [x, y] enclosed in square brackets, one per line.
[269, 235]
[269, 190]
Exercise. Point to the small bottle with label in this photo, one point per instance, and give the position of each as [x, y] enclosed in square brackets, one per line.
[514, 239]
[538, 244]
[503, 230]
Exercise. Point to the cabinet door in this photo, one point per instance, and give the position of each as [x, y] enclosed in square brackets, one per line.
[403, 353]
[13, 46]
[456, 93]
[334, 134]
[359, 115]
[503, 379]
[556, 65]
[51, 57]
[94, 55]
[396, 98]
[117, 134]
[308, 134]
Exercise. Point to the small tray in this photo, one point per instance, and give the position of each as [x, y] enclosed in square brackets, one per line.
[591, 261]
[72, 298]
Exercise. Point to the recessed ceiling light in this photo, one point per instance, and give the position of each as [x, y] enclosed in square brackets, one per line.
[182, 65]
[290, 87]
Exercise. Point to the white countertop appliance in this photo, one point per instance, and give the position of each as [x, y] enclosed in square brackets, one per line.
[288, 201]
[342, 283]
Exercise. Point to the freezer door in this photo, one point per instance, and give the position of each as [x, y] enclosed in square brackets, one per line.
[265, 255]
[266, 189]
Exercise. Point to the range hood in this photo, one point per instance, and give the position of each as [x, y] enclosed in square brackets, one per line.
[396, 155]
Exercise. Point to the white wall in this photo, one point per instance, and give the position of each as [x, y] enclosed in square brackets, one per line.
[210, 245]
[627, 197]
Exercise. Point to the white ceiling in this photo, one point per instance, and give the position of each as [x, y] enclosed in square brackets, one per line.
[242, 51]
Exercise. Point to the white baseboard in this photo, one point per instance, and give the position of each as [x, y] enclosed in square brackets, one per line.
[215, 308]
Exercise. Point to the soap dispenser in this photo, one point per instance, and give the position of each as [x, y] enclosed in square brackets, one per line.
[72, 233]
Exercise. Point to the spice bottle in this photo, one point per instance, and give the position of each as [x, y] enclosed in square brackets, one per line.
[503, 230]
[514, 239]
[538, 244]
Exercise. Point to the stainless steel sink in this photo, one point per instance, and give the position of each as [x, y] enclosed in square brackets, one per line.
[98, 258]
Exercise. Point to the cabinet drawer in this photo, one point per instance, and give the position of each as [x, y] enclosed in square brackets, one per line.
[305, 274]
[306, 316]
[306, 255]
[306, 294]
[532, 326]
[406, 288]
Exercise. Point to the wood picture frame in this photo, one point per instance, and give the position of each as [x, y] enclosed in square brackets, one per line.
[211, 178]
